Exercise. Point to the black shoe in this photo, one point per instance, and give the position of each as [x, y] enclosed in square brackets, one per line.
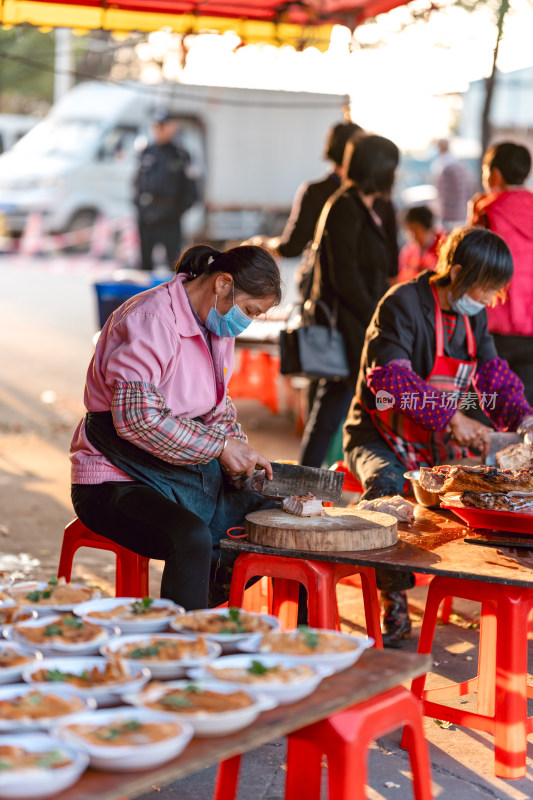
[395, 624]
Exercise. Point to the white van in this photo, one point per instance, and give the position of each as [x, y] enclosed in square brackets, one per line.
[250, 150]
[13, 127]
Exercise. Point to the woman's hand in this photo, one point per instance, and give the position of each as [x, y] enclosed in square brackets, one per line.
[469, 433]
[241, 460]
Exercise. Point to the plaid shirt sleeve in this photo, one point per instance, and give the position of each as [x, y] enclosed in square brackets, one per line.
[141, 417]
[228, 422]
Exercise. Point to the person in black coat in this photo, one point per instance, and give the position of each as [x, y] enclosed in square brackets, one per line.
[355, 263]
[311, 197]
[164, 190]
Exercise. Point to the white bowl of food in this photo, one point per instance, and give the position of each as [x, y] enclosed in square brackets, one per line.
[24, 707]
[131, 614]
[227, 626]
[60, 635]
[127, 739]
[34, 766]
[284, 679]
[167, 655]
[14, 659]
[316, 646]
[92, 676]
[55, 596]
[6, 579]
[211, 708]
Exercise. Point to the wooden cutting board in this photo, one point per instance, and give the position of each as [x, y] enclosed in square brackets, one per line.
[338, 529]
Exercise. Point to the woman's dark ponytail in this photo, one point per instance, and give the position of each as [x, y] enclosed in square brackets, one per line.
[253, 268]
[195, 261]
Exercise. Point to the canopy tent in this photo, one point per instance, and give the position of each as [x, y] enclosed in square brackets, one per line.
[298, 22]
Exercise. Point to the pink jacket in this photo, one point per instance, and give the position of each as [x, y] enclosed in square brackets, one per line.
[154, 339]
[510, 215]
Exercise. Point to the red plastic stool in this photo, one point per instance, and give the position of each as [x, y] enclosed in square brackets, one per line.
[351, 483]
[501, 684]
[131, 578]
[256, 378]
[320, 579]
[345, 738]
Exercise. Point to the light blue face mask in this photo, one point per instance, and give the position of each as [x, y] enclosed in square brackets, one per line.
[465, 305]
[231, 324]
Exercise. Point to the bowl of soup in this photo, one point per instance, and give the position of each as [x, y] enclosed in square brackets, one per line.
[34, 766]
[92, 676]
[167, 655]
[131, 614]
[126, 739]
[211, 709]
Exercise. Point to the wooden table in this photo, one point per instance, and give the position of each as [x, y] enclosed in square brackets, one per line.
[433, 544]
[374, 673]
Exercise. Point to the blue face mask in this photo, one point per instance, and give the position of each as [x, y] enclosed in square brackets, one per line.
[231, 324]
[465, 305]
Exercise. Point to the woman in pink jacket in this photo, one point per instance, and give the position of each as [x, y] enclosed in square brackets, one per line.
[157, 456]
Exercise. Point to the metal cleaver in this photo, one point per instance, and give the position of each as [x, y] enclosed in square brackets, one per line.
[324, 484]
[497, 442]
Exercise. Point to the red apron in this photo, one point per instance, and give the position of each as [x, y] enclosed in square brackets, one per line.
[414, 445]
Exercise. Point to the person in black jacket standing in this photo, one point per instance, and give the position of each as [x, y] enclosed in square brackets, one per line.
[355, 266]
[164, 190]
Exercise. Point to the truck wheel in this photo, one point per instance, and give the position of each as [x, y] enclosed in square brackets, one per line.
[81, 221]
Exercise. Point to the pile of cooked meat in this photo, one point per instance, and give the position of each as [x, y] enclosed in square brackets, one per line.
[508, 487]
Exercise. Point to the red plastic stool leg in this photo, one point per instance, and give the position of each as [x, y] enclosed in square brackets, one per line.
[285, 602]
[345, 739]
[227, 779]
[304, 769]
[132, 570]
[132, 575]
[446, 610]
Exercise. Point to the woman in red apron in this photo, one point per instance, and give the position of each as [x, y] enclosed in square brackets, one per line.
[427, 364]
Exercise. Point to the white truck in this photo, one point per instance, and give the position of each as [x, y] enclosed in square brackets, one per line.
[250, 150]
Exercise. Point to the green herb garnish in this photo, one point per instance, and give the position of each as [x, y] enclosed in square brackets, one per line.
[46, 594]
[35, 699]
[144, 652]
[175, 701]
[34, 597]
[53, 630]
[53, 582]
[56, 675]
[6, 765]
[311, 638]
[257, 668]
[142, 606]
[51, 758]
[234, 614]
[193, 688]
[131, 725]
[108, 734]
[72, 622]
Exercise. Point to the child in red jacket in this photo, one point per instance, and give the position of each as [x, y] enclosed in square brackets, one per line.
[507, 209]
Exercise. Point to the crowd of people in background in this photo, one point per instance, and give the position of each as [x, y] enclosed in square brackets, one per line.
[447, 314]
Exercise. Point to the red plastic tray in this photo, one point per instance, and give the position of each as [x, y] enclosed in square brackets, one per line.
[509, 521]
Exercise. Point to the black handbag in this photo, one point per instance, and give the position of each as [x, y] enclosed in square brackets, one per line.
[314, 350]
[306, 346]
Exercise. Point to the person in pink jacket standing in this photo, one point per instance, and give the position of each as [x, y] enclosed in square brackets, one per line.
[159, 456]
[507, 209]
